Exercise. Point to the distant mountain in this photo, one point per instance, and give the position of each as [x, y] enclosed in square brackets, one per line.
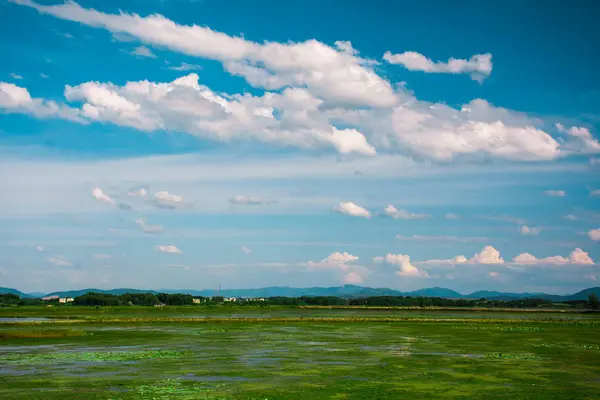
[492, 295]
[346, 291]
[583, 295]
[36, 294]
[4, 290]
[75, 293]
[435, 292]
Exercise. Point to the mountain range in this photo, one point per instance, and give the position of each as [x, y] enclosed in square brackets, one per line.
[346, 291]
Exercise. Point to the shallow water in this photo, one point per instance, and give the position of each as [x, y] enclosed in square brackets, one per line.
[23, 319]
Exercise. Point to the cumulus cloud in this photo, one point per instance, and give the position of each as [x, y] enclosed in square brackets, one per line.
[555, 193]
[102, 197]
[479, 65]
[142, 51]
[594, 234]
[337, 74]
[577, 256]
[245, 250]
[291, 118]
[344, 263]
[317, 97]
[393, 212]
[16, 99]
[168, 249]
[405, 268]
[251, 200]
[170, 201]
[59, 261]
[579, 140]
[147, 228]
[529, 231]
[350, 208]
[487, 255]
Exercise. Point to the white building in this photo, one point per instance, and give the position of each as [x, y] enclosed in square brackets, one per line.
[66, 300]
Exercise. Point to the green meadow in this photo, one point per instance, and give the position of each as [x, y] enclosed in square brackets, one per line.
[288, 353]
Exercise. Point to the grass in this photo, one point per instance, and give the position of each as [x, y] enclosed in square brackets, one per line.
[361, 356]
[40, 334]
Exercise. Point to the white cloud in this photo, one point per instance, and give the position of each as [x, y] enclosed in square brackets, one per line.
[478, 131]
[59, 261]
[168, 249]
[185, 67]
[479, 65]
[102, 197]
[405, 268]
[579, 140]
[146, 227]
[555, 193]
[338, 257]
[251, 200]
[488, 255]
[344, 263]
[184, 105]
[143, 51]
[39, 248]
[102, 256]
[43, 75]
[15, 76]
[143, 193]
[16, 99]
[393, 212]
[318, 89]
[452, 216]
[164, 199]
[442, 238]
[529, 231]
[594, 234]
[494, 274]
[350, 208]
[571, 217]
[338, 75]
[595, 193]
[577, 256]
[245, 250]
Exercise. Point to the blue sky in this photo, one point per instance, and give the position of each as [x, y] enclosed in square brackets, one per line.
[180, 144]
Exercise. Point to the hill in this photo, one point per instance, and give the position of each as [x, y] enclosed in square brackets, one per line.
[346, 291]
[4, 290]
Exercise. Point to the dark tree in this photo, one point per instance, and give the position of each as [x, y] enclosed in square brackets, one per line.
[593, 301]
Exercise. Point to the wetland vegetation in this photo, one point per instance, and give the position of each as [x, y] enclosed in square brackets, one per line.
[296, 353]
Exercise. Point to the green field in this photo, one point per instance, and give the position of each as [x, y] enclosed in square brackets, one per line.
[286, 353]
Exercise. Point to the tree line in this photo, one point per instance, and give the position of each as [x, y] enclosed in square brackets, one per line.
[178, 299]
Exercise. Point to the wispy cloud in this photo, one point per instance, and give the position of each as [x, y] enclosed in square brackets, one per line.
[555, 193]
[142, 51]
[185, 67]
[479, 65]
[393, 212]
[168, 249]
[251, 200]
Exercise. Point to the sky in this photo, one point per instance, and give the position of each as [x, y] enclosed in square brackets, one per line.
[185, 144]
